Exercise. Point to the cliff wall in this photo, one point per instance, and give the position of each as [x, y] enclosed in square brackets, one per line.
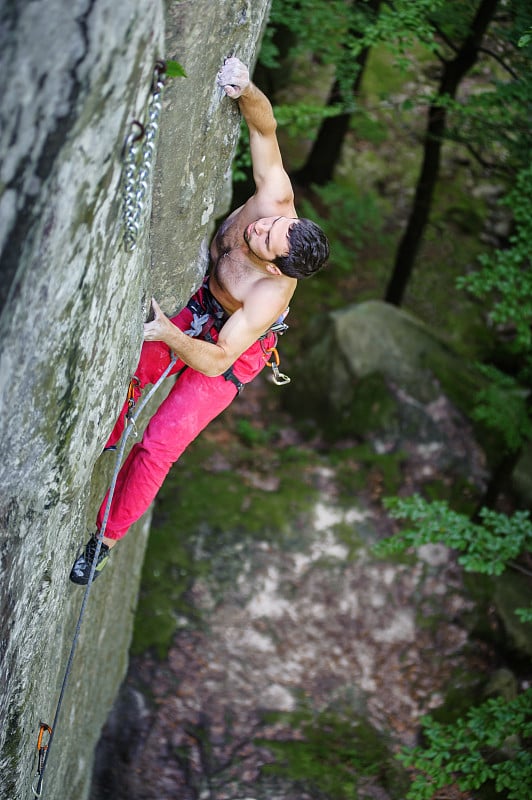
[72, 302]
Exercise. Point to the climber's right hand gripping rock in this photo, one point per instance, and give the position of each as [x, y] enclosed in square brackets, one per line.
[233, 76]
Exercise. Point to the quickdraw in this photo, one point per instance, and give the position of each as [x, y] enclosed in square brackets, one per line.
[42, 750]
[137, 175]
[132, 394]
[279, 378]
[131, 401]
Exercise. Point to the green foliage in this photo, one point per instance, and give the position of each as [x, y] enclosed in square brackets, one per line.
[175, 70]
[525, 39]
[336, 31]
[298, 119]
[367, 128]
[402, 25]
[506, 275]
[242, 159]
[502, 407]
[524, 614]
[484, 548]
[488, 744]
[493, 122]
[351, 222]
[319, 27]
[253, 435]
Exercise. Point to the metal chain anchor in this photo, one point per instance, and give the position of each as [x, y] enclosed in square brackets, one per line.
[136, 182]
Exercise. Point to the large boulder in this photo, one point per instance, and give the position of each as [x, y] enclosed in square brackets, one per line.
[370, 367]
[374, 368]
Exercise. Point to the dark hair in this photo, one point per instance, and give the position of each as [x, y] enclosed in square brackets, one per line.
[308, 250]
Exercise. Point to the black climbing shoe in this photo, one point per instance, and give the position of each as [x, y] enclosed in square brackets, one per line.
[82, 565]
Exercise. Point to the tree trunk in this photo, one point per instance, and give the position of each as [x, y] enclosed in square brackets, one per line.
[327, 147]
[453, 73]
[498, 483]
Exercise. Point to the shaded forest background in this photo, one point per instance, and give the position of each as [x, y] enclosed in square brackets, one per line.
[406, 130]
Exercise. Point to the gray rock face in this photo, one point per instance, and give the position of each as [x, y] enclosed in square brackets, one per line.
[72, 303]
[197, 177]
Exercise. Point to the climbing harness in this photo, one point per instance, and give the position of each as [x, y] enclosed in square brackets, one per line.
[137, 170]
[207, 313]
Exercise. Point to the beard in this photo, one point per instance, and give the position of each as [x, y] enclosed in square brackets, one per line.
[246, 238]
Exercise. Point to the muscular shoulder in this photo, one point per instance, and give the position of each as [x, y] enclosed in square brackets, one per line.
[268, 298]
[273, 198]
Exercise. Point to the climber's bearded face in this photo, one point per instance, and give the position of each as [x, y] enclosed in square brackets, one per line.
[267, 238]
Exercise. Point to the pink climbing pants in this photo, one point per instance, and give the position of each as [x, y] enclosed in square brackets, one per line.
[192, 403]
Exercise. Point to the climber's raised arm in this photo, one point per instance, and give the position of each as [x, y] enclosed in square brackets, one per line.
[269, 174]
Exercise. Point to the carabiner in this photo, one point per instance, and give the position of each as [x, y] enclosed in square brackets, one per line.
[279, 378]
[134, 383]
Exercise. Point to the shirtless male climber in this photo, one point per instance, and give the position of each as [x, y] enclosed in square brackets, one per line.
[220, 338]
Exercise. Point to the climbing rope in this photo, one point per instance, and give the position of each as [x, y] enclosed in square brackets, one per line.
[137, 172]
[43, 750]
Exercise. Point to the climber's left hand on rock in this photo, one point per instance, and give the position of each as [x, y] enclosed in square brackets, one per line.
[158, 329]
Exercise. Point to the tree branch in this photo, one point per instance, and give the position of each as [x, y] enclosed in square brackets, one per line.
[443, 36]
[519, 568]
[500, 61]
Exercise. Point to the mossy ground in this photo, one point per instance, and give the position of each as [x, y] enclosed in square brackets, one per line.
[329, 751]
[208, 517]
